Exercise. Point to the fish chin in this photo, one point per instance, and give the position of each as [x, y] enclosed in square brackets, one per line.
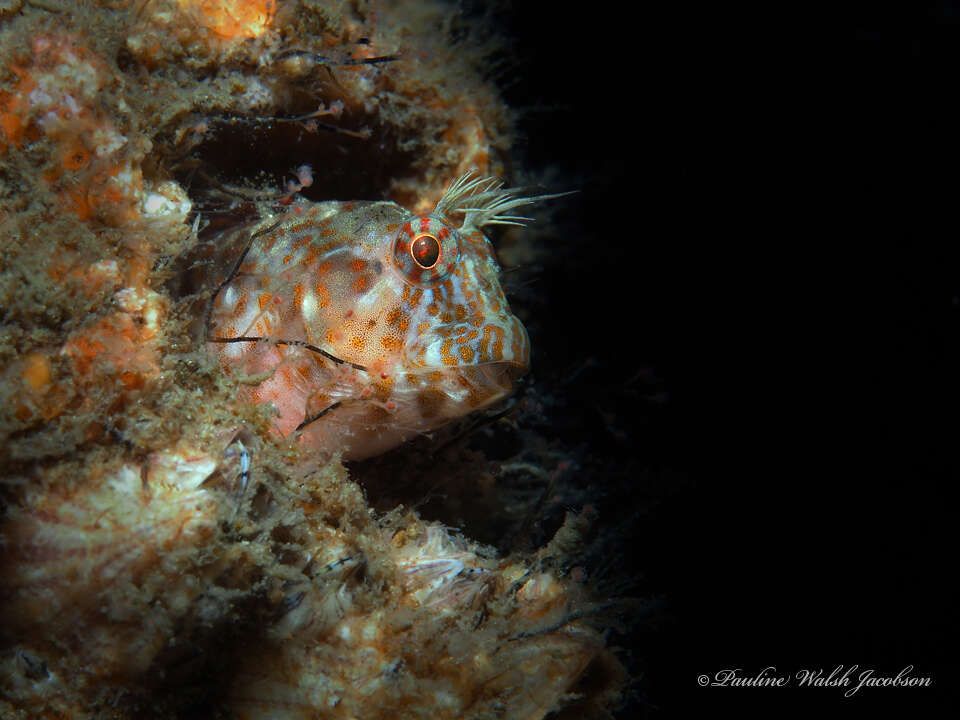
[449, 394]
[355, 435]
[492, 382]
[425, 401]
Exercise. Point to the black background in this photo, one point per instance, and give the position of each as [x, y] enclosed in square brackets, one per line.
[768, 223]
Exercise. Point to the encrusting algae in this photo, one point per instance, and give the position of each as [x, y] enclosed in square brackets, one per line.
[179, 536]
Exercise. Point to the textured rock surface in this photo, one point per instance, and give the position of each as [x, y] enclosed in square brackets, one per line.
[144, 570]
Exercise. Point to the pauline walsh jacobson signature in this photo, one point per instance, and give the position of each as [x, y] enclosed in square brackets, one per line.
[852, 678]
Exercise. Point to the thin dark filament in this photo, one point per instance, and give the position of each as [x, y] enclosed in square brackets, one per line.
[363, 133]
[323, 60]
[319, 415]
[236, 269]
[476, 425]
[297, 343]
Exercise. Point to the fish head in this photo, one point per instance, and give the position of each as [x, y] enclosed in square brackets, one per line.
[366, 324]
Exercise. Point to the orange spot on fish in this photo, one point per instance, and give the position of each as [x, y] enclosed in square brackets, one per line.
[391, 342]
[241, 306]
[496, 333]
[399, 318]
[445, 355]
[312, 254]
[323, 295]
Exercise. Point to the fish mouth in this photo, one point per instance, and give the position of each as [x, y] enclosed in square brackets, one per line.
[487, 382]
[498, 379]
[443, 394]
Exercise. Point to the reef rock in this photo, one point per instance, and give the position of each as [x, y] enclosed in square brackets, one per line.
[164, 552]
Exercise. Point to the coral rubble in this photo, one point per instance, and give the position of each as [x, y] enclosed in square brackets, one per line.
[161, 552]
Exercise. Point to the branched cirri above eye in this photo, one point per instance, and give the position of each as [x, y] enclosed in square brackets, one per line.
[485, 201]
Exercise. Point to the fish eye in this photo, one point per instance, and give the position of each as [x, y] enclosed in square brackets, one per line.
[425, 251]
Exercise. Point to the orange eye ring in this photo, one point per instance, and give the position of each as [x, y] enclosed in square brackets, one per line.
[425, 251]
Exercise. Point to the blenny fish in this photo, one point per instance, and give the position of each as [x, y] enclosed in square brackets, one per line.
[365, 324]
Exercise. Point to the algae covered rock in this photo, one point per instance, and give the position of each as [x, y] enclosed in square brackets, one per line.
[163, 550]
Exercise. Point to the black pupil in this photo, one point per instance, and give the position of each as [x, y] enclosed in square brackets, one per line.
[426, 251]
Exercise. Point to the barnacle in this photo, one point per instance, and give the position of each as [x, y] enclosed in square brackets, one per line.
[160, 546]
[448, 643]
[86, 560]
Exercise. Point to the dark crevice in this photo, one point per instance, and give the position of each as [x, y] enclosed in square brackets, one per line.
[357, 158]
